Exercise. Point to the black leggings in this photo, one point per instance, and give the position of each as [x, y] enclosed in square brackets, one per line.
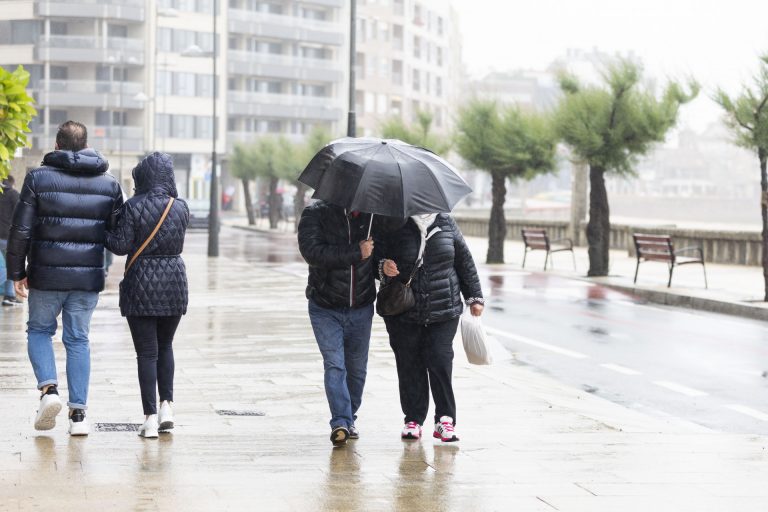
[153, 340]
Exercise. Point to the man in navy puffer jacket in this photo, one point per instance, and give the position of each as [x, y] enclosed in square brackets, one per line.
[58, 230]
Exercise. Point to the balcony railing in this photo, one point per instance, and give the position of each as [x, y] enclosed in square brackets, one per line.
[284, 21]
[129, 10]
[283, 60]
[92, 42]
[282, 99]
[91, 87]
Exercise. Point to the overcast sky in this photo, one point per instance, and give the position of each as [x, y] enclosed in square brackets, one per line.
[717, 42]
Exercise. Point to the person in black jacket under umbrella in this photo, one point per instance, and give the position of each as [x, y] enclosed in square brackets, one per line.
[422, 337]
[153, 293]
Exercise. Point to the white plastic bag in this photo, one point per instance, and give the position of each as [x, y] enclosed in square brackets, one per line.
[475, 340]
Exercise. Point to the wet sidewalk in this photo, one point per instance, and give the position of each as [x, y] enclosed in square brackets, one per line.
[252, 428]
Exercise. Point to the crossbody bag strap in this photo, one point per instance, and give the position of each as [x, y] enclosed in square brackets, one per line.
[151, 236]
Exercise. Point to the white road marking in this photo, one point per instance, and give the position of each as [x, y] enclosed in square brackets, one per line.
[673, 386]
[620, 369]
[748, 411]
[538, 344]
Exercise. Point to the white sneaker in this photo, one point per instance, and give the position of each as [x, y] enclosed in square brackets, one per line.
[50, 406]
[78, 423]
[149, 428]
[411, 430]
[445, 431]
[165, 417]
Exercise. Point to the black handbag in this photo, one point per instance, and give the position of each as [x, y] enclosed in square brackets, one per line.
[396, 297]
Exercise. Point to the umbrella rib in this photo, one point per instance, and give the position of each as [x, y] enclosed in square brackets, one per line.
[402, 184]
[362, 173]
[431, 175]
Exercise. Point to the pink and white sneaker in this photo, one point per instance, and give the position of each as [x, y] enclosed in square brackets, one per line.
[411, 430]
[444, 430]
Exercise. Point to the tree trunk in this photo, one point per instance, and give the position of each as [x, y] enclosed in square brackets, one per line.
[274, 203]
[298, 204]
[497, 226]
[578, 201]
[763, 155]
[599, 226]
[248, 201]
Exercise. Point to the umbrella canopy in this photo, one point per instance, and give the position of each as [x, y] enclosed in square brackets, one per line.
[384, 177]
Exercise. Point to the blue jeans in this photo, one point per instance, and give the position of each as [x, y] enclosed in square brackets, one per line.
[77, 308]
[6, 285]
[343, 336]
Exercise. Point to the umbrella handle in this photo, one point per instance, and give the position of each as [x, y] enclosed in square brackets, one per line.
[370, 225]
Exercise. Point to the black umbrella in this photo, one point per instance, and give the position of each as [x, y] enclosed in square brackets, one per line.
[384, 177]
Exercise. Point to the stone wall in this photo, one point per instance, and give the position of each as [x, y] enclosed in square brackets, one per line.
[730, 247]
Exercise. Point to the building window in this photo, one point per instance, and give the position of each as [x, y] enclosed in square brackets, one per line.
[417, 47]
[416, 80]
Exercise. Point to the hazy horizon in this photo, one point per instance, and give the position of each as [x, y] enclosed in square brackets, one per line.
[717, 45]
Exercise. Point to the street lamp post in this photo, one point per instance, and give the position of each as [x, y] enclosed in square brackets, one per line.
[351, 118]
[213, 215]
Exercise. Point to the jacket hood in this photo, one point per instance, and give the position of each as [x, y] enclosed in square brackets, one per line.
[155, 173]
[86, 161]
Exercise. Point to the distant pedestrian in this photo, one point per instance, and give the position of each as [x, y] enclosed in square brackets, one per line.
[150, 229]
[432, 250]
[56, 251]
[341, 290]
[9, 198]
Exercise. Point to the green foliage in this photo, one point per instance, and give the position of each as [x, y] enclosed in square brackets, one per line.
[16, 111]
[747, 114]
[610, 126]
[519, 145]
[419, 134]
[268, 157]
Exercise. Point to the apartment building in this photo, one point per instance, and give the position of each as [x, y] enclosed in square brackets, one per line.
[408, 59]
[139, 73]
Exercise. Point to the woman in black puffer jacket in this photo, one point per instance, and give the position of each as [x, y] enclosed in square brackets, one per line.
[153, 293]
[432, 249]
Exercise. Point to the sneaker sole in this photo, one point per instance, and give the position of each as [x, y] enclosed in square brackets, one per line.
[410, 437]
[165, 426]
[78, 431]
[46, 419]
[149, 435]
[339, 437]
[445, 439]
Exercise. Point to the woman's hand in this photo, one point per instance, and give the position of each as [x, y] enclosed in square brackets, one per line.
[390, 268]
[476, 309]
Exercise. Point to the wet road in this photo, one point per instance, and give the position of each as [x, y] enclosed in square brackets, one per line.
[697, 367]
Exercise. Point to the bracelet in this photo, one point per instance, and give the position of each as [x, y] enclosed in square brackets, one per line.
[475, 300]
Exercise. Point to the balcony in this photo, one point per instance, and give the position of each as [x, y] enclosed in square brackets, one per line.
[83, 93]
[291, 106]
[119, 50]
[285, 27]
[283, 106]
[284, 66]
[126, 10]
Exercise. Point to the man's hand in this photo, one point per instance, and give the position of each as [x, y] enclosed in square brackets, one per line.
[390, 268]
[366, 247]
[21, 288]
[476, 309]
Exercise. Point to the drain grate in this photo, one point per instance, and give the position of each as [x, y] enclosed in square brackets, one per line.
[229, 412]
[117, 427]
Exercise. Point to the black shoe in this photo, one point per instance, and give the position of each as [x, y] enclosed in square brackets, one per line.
[339, 436]
[11, 301]
[353, 433]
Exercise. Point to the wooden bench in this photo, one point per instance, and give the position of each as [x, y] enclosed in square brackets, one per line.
[536, 239]
[660, 248]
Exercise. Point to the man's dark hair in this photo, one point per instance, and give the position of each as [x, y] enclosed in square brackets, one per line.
[72, 136]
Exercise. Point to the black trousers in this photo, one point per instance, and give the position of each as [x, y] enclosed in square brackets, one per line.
[153, 340]
[424, 358]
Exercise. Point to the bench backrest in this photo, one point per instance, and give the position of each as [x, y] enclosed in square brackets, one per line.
[654, 247]
[536, 238]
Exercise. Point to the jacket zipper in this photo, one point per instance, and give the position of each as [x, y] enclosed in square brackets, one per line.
[351, 267]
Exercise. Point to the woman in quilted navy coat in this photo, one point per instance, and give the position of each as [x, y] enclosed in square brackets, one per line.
[433, 250]
[153, 293]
